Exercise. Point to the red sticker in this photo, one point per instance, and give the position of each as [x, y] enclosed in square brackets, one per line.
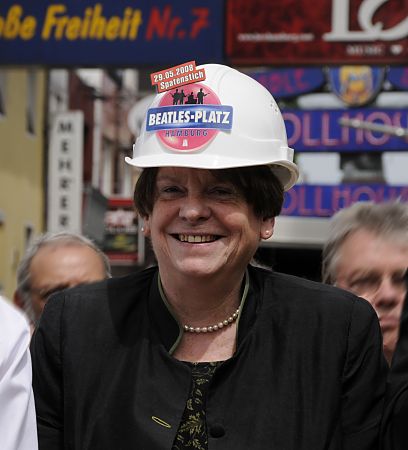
[176, 76]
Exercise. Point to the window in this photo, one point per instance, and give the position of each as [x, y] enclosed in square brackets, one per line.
[106, 168]
[2, 92]
[31, 101]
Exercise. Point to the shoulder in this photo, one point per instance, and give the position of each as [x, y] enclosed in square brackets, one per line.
[14, 331]
[112, 297]
[94, 312]
[302, 293]
[12, 321]
[129, 286]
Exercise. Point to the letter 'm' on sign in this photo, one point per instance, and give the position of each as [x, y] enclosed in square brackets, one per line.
[65, 127]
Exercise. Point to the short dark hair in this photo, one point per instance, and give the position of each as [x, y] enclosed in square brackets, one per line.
[257, 184]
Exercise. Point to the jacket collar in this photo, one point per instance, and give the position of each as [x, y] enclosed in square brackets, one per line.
[170, 331]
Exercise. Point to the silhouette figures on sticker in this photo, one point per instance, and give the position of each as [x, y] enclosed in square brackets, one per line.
[200, 96]
[178, 97]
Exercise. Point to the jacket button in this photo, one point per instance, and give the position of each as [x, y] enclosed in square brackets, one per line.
[217, 431]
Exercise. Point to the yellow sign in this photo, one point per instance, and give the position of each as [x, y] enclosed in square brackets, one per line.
[59, 25]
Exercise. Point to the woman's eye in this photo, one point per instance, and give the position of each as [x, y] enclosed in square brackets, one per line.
[170, 189]
[222, 191]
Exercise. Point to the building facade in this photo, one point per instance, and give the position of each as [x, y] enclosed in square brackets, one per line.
[22, 115]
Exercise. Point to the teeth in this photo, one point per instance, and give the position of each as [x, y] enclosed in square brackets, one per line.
[193, 239]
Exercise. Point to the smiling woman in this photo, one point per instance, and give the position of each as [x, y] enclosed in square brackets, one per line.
[204, 233]
[205, 350]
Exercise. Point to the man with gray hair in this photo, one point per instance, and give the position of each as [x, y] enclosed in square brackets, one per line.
[367, 253]
[53, 262]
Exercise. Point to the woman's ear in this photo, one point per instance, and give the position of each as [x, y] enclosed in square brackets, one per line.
[146, 226]
[267, 227]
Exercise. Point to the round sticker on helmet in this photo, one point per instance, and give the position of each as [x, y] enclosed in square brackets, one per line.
[185, 138]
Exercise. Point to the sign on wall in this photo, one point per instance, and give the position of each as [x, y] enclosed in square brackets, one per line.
[323, 201]
[356, 85]
[65, 162]
[324, 31]
[289, 82]
[121, 232]
[320, 130]
[118, 32]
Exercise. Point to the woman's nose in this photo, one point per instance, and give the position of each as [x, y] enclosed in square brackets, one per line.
[194, 208]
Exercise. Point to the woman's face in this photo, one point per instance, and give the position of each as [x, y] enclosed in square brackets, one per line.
[201, 226]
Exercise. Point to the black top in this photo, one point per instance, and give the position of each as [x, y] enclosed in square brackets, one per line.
[192, 432]
[308, 372]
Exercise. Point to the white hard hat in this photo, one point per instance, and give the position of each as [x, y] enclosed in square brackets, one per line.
[238, 125]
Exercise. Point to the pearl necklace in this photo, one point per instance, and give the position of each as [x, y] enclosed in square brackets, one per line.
[212, 328]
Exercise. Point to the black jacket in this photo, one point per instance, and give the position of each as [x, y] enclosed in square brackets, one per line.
[308, 373]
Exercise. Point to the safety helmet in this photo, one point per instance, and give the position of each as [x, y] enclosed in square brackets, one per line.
[228, 120]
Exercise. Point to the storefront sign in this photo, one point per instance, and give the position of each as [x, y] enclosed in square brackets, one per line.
[121, 232]
[325, 31]
[284, 83]
[319, 130]
[117, 32]
[324, 201]
[65, 173]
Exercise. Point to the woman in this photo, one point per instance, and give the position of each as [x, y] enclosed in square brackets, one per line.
[205, 351]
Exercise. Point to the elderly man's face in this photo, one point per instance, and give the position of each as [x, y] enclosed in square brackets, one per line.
[54, 268]
[374, 268]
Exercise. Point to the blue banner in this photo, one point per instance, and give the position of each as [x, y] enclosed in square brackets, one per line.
[323, 201]
[218, 117]
[398, 77]
[114, 32]
[320, 130]
[286, 83]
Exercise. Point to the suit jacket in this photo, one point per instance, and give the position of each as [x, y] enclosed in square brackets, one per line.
[308, 372]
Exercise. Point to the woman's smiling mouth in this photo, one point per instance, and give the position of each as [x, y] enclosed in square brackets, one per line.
[196, 239]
